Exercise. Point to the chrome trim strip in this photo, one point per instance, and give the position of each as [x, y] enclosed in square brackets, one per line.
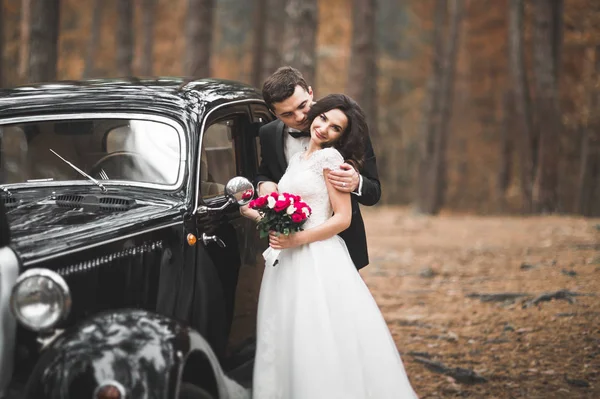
[202, 130]
[107, 259]
[45, 258]
[110, 115]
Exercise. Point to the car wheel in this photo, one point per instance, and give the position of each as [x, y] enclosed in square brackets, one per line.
[191, 391]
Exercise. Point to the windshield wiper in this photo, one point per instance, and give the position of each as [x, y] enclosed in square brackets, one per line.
[96, 182]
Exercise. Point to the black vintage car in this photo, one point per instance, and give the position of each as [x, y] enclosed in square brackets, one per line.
[128, 271]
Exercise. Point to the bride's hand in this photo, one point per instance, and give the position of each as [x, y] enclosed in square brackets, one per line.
[282, 241]
[249, 213]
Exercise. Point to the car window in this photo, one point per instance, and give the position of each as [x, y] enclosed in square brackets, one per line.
[217, 161]
[111, 149]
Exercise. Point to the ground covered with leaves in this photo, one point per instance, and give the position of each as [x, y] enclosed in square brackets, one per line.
[490, 306]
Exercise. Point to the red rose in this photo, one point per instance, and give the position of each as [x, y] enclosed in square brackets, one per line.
[274, 194]
[260, 202]
[301, 204]
[305, 205]
[281, 205]
[247, 194]
[298, 217]
[289, 196]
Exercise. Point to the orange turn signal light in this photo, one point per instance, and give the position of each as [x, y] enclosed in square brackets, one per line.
[191, 239]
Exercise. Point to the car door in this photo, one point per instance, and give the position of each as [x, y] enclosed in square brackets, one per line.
[227, 282]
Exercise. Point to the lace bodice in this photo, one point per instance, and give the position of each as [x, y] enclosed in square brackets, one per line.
[304, 177]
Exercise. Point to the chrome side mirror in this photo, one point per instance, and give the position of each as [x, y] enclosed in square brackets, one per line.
[238, 190]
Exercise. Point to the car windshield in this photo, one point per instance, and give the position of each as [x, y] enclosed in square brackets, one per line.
[109, 150]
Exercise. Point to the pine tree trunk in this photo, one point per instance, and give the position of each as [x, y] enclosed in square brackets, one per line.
[25, 31]
[362, 71]
[148, 14]
[274, 31]
[43, 44]
[523, 113]
[259, 38]
[1, 45]
[585, 168]
[433, 165]
[545, 195]
[557, 35]
[506, 150]
[588, 198]
[89, 69]
[300, 37]
[439, 181]
[124, 38]
[431, 105]
[198, 35]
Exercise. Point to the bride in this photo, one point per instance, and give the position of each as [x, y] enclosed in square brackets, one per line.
[320, 333]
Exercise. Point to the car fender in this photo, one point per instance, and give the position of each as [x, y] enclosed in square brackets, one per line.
[141, 353]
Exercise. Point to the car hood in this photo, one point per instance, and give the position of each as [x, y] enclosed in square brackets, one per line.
[43, 229]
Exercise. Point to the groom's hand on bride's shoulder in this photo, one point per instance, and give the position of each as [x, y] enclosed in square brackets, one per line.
[345, 179]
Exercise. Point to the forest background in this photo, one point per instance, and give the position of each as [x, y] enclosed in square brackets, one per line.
[476, 106]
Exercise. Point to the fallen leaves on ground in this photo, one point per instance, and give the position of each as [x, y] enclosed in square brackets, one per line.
[507, 304]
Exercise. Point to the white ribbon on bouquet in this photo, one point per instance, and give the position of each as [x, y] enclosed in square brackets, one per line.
[271, 256]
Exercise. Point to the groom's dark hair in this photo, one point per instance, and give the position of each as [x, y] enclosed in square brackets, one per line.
[351, 144]
[281, 85]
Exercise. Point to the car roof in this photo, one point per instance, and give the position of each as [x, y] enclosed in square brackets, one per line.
[165, 95]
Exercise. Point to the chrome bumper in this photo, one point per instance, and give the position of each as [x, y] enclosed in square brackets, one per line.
[9, 270]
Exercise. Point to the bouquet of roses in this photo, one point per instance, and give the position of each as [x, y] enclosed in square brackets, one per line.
[282, 213]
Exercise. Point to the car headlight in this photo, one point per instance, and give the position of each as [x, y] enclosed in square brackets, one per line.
[40, 299]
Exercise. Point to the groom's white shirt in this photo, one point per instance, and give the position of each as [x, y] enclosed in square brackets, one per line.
[293, 145]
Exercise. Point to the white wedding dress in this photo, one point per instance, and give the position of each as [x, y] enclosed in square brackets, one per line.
[320, 332]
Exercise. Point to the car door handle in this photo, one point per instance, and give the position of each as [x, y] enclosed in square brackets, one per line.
[208, 239]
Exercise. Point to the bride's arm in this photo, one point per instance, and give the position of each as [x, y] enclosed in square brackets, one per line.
[340, 221]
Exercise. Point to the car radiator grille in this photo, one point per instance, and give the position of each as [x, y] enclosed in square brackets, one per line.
[124, 279]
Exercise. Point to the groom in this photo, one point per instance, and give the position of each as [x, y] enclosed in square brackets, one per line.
[289, 98]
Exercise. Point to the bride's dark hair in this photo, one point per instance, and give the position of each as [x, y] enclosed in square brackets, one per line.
[351, 143]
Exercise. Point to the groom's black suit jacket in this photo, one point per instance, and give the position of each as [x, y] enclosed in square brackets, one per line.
[273, 165]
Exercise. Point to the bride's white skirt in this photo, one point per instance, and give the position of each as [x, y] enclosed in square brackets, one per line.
[320, 332]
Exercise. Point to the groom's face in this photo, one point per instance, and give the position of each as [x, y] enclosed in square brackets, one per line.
[293, 111]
